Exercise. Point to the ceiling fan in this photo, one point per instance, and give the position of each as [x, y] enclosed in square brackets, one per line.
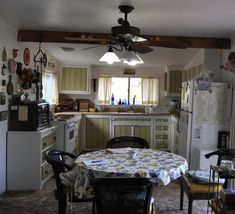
[124, 35]
[128, 36]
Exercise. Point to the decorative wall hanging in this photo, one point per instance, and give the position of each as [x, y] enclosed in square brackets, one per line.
[26, 76]
[10, 86]
[229, 64]
[40, 57]
[12, 65]
[19, 68]
[4, 69]
[4, 55]
[26, 56]
[3, 82]
[15, 53]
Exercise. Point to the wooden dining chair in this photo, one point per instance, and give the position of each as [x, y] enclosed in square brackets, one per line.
[199, 191]
[62, 162]
[127, 141]
[123, 195]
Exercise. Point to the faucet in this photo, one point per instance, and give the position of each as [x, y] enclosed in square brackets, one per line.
[134, 100]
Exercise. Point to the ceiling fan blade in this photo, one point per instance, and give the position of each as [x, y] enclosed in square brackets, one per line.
[96, 46]
[141, 48]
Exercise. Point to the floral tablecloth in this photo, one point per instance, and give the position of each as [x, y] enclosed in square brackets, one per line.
[155, 164]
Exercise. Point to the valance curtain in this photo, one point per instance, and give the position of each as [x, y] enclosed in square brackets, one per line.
[104, 90]
[150, 91]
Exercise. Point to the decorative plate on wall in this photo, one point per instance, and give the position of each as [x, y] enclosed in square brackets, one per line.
[26, 56]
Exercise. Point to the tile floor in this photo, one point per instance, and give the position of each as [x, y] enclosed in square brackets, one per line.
[43, 201]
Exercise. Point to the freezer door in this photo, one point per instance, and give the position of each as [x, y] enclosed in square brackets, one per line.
[187, 96]
[185, 122]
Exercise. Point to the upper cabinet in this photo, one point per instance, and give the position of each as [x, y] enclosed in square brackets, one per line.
[173, 80]
[75, 79]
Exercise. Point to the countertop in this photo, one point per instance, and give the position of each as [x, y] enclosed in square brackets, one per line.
[114, 113]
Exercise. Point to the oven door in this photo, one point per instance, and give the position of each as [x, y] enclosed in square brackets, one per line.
[69, 141]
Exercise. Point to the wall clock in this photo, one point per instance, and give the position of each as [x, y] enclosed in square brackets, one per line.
[26, 56]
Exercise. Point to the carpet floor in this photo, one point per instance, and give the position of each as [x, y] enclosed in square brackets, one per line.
[44, 202]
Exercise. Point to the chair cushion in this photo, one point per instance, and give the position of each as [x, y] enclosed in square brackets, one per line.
[68, 179]
[196, 187]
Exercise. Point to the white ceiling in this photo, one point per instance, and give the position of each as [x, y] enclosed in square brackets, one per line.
[205, 18]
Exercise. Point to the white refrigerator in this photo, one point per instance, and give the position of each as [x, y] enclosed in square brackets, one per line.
[205, 110]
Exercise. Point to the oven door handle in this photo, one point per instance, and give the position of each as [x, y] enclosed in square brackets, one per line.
[70, 125]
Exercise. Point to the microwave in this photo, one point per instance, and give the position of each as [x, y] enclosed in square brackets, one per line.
[31, 116]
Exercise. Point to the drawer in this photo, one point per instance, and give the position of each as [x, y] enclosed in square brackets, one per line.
[161, 137]
[48, 140]
[46, 170]
[126, 119]
[161, 127]
[43, 158]
[161, 145]
[162, 120]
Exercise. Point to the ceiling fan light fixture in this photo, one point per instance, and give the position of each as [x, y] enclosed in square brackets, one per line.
[109, 57]
[131, 58]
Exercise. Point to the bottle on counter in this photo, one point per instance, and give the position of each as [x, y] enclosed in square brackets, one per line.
[112, 99]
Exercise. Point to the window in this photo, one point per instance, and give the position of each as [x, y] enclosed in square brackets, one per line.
[50, 87]
[128, 90]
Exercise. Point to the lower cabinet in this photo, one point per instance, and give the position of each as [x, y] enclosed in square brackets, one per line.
[162, 133]
[97, 131]
[155, 129]
[27, 168]
[133, 126]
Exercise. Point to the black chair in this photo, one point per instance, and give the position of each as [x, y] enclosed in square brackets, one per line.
[122, 195]
[62, 162]
[198, 191]
[128, 141]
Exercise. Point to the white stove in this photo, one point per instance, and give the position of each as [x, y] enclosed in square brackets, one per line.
[66, 132]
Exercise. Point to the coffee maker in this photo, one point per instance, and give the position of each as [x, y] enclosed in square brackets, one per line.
[223, 139]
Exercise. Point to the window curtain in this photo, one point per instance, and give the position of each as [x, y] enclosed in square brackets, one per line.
[150, 91]
[50, 84]
[104, 90]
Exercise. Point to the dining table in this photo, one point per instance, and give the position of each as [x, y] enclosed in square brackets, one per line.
[161, 166]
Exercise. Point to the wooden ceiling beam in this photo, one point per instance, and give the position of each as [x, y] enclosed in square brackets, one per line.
[102, 38]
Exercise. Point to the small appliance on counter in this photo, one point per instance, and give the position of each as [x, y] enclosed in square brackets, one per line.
[31, 116]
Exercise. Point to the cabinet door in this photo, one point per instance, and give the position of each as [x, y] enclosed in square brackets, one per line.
[132, 126]
[143, 131]
[97, 132]
[122, 130]
[174, 82]
[75, 79]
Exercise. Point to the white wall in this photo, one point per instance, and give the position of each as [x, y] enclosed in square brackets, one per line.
[210, 59]
[8, 37]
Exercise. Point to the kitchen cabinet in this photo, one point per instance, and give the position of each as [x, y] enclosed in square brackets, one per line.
[174, 134]
[173, 79]
[27, 168]
[132, 126]
[97, 131]
[162, 133]
[75, 79]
